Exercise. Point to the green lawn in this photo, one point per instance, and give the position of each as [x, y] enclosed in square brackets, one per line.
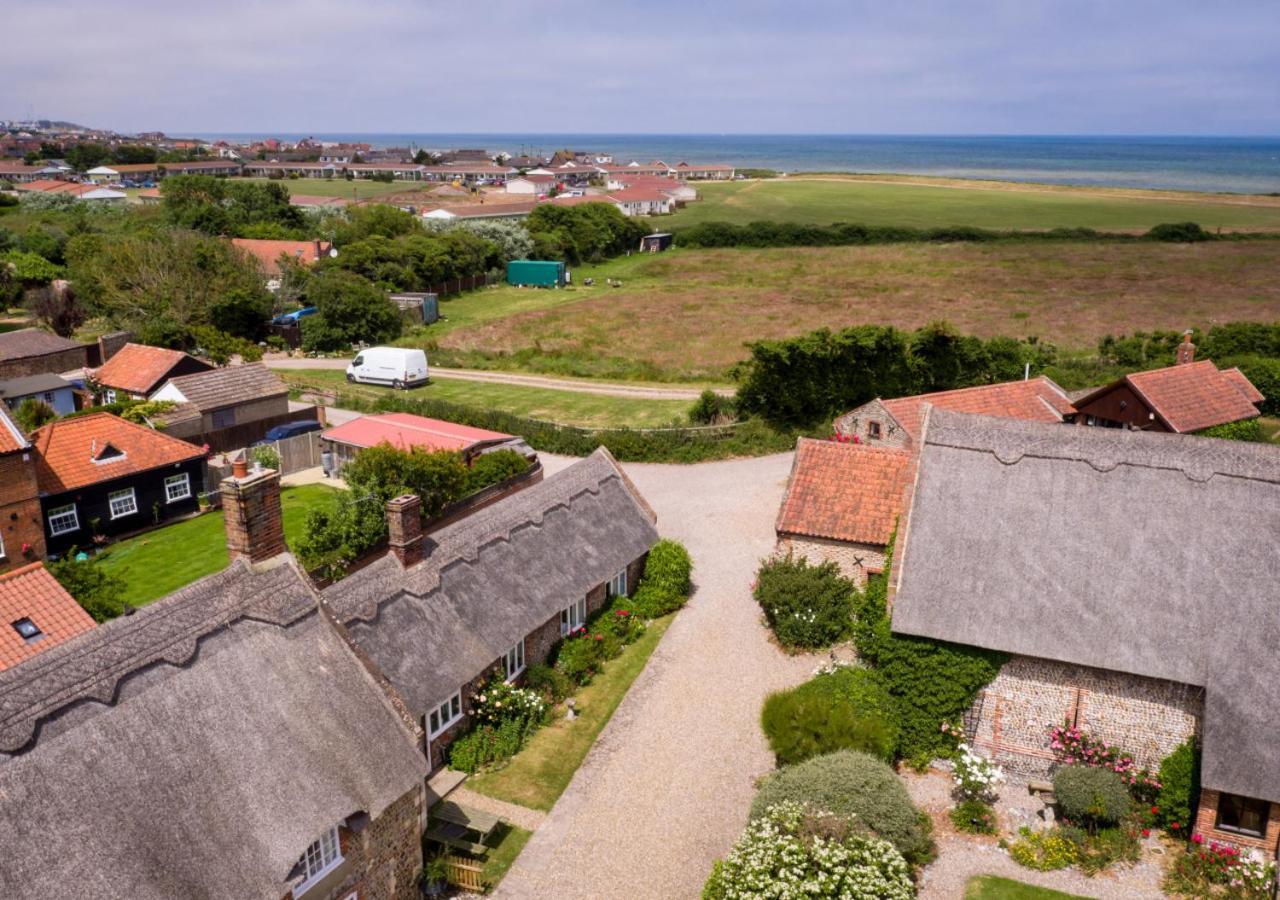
[989, 887]
[511, 841]
[340, 187]
[823, 201]
[565, 407]
[539, 773]
[161, 561]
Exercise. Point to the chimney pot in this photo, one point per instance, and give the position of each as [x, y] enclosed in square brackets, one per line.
[239, 466]
[404, 528]
[1186, 350]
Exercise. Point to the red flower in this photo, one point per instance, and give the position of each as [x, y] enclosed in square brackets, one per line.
[1154, 810]
[1146, 832]
[1197, 839]
[1173, 826]
[599, 637]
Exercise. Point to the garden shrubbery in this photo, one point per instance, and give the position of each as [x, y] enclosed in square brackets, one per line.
[1090, 795]
[795, 851]
[490, 468]
[857, 787]
[806, 605]
[502, 718]
[845, 709]
[1218, 870]
[667, 580]
[1179, 793]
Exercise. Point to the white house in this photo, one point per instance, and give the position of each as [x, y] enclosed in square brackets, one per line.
[103, 173]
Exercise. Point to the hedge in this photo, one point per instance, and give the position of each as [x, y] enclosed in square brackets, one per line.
[667, 580]
[1179, 779]
[806, 605]
[848, 709]
[1091, 794]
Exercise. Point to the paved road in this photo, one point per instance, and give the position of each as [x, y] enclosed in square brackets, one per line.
[604, 388]
[666, 789]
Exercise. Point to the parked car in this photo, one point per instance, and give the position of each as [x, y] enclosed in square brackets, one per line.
[292, 318]
[399, 367]
[287, 430]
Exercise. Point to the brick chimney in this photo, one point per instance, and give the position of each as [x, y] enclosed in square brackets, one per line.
[1186, 350]
[404, 528]
[251, 507]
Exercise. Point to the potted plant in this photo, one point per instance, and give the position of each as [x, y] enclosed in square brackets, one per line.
[434, 877]
[203, 499]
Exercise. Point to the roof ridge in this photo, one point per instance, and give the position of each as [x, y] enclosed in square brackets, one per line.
[92, 666]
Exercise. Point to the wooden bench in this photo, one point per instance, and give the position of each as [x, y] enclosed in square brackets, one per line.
[455, 825]
[1042, 790]
[455, 836]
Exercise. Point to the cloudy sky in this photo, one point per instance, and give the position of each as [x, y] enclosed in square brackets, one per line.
[670, 66]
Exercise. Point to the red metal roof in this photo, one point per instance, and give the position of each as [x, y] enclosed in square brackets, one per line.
[1036, 400]
[31, 592]
[404, 431]
[845, 492]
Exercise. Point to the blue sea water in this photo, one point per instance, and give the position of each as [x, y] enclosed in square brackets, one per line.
[1237, 164]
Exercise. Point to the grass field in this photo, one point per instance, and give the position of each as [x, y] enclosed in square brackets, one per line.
[686, 315]
[925, 204]
[161, 561]
[989, 887]
[538, 774]
[564, 407]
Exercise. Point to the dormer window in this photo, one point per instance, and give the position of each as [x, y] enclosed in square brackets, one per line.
[109, 453]
[27, 630]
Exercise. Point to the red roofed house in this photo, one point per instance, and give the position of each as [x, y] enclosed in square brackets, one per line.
[36, 614]
[20, 521]
[99, 474]
[268, 254]
[1183, 398]
[136, 370]
[896, 423]
[842, 504]
[405, 431]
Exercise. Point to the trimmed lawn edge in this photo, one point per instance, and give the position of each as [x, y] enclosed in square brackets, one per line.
[994, 887]
[539, 774]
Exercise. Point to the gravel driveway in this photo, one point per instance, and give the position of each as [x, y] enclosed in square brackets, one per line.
[666, 789]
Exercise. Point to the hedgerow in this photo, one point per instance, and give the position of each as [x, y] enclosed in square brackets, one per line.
[667, 580]
[845, 709]
[806, 605]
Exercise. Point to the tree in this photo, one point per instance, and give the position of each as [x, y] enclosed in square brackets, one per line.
[439, 477]
[378, 219]
[134, 154]
[32, 413]
[55, 305]
[83, 157]
[222, 206]
[96, 590]
[349, 310]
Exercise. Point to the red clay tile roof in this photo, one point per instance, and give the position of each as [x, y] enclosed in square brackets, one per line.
[405, 430]
[1036, 400]
[138, 368]
[11, 436]
[30, 592]
[1193, 396]
[1241, 380]
[268, 253]
[845, 492]
[66, 450]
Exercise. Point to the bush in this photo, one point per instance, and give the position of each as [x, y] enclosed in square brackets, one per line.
[97, 591]
[438, 477]
[1217, 870]
[551, 683]
[973, 817]
[1179, 778]
[1265, 374]
[266, 456]
[620, 621]
[1105, 847]
[712, 409]
[580, 656]
[32, 413]
[1244, 430]
[854, 786]
[848, 709]
[490, 468]
[665, 585]
[1091, 795]
[804, 604]
[1043, 851]
[792, 851]
[1179, 232]
[487, 745]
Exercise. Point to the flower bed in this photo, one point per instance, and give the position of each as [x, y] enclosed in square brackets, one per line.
[1219, 870]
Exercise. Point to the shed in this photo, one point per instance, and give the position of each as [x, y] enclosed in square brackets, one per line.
[405, 431]
[655, 243]
[535, 273]
[422, 309]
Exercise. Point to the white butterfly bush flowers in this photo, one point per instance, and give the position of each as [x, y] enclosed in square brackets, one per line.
[975, 776]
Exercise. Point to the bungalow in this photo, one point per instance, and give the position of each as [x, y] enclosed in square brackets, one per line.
[477, 211]
[469, 172]
[1117, 571]
[137, 370]
[21, 525]
[32, 351]
[530, 184]
[403, 171]
[493, 591]
[641, 202]
[36, 614]
[87, 191]
[406, 431]
[267, 253]
[712, 172]
[100, 475]
[894, 423]
[52, 390]
[20, 172]
[1182, 399]
[237, 405]
[283, 169]
[224, 741]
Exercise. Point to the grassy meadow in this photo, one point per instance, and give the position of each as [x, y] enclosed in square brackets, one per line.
[928, 203]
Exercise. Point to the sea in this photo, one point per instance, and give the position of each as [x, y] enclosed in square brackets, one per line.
[1249, 165]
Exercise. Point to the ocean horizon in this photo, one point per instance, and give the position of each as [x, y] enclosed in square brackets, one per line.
[1236, 164]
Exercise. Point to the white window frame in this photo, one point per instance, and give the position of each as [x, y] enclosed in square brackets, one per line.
[617, 586]
[446, 715]
[573, 616]
[184, 478]
[513, 661]
[121, 494]
[60, 512]
[318, 860]
[109, 395]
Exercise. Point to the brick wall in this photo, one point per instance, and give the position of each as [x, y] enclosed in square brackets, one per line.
[1147, 717]
[1207, 818]
[54, 363]
[854, 560]
[20, 517]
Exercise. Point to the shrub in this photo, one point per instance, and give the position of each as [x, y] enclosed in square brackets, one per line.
[792, 851]
[487, 745]
[266, 456]
[621, 621]
[551, 683]
[1179, 778]
[666, 582]
[500, 701]
[438, 477]
[848, 709]
[1179, 232]
[1218, 870]
[857, 787]
[1091, 795]
[1106, 846]
[97, 591]
[32, 413]
[712, 409]
[1074, 746]
[580, 655]
[806, 605]
[975, 776]
[1244, 430]
[973, 817]
[490, 468]
[1043, 851]
[1265, 374]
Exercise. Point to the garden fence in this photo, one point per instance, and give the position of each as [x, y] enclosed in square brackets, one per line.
[464, 873]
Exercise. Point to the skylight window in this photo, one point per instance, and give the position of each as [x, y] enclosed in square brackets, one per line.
[28, 630]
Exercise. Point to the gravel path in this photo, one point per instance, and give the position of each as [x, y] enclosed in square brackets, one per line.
[528, 819]
[665, 790]
[604, 388]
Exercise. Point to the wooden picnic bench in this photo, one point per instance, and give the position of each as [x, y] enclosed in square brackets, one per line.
[454, 825]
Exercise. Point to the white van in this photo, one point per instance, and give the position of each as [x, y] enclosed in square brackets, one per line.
[399, 367]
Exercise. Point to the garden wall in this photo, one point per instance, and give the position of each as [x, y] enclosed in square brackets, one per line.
[854, 560]
[1012, 716]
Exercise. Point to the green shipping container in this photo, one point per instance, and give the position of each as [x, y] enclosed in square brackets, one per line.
[535, 273]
